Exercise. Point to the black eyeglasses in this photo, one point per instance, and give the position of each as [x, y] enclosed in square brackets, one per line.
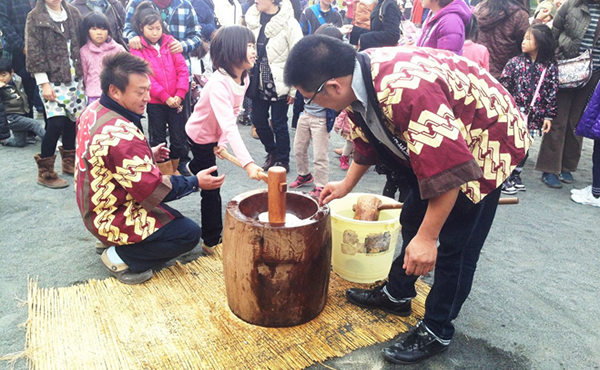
[319, 89]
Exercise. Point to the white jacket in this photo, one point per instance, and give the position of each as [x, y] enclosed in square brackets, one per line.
[283, 32]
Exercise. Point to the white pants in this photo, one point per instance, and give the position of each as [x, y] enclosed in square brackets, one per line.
[312, 127]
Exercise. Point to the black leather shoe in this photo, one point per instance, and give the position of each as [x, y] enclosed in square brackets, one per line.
[284, 165]
[417, 346]
[376, 298]
[269, 162]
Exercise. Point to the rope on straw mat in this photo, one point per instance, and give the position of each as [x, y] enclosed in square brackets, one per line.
[180, 320]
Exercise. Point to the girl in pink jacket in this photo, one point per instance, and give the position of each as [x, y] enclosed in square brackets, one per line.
[213, 123]
[97, 43]
[170, 83]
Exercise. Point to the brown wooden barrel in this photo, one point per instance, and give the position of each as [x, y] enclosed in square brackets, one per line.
[276, 276]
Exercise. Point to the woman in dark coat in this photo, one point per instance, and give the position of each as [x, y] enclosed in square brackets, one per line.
[502, 25]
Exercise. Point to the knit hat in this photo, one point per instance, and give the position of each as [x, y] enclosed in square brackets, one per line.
[207, 31]
[546, 4]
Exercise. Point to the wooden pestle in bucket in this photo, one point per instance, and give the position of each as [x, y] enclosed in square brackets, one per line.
[367, 207]
[276, 181]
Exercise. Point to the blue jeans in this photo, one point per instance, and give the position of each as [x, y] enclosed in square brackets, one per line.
[460, 243]
[20, 125]
[276, 140]
[172, 240]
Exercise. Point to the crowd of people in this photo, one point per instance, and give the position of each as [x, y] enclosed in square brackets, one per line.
[200, 70]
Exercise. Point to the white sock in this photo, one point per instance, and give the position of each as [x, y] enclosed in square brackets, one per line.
[392, 298]
[112, 255]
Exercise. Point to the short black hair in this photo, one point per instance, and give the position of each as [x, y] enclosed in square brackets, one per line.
[229, 48]
[93, 19]
[544, 41]
[331, 30]
[472, 29]
[6, 65]
[146, 13]
[318, 58]
[116, 69]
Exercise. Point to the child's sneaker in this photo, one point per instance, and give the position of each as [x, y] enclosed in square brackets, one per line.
[508, 187]
[345, 162]
[316, 192]
[518, 183]
[302, 180]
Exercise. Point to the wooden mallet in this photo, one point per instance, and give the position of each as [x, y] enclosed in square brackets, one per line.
[276, 182]
[367, 207]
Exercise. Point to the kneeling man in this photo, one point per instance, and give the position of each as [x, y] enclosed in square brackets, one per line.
[120, 190]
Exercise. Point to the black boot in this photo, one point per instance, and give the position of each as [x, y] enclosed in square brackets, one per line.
[376, 298]
[417, 346]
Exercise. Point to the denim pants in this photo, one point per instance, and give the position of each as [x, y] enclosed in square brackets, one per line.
[20, 125]
[177, 237]
[210, 203]
[460, 243]
[276, 140]
[159, 117]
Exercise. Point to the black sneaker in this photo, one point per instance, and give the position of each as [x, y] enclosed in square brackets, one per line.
[417, 346]
[518, 183]
[508, 187]
[284, 165]
[376, 298]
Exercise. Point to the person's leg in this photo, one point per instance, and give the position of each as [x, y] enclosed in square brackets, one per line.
[69, 134]
[179, 236]
[177, 133]
[301, 144]
[320, 137]
[573, 143]
[550, 156]
[596, 170]
[210, 204]
[54, 129]
[260, 120]
[461, 240]
[157, 123]
[279, 111]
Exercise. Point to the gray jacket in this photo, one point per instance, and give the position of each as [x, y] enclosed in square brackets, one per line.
[570, 24]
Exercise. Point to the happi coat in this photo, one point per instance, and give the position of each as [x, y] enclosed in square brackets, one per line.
[119, 187]
[456, 124]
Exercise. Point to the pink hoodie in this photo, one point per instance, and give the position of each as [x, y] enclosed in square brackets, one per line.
[215, 116]
[91, 61]
[170, 73]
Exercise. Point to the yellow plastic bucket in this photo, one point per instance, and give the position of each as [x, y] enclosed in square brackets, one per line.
[363, 251]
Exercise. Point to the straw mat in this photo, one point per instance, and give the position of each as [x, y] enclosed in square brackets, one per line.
[180, 320]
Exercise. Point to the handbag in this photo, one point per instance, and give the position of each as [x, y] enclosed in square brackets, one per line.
[576, 72]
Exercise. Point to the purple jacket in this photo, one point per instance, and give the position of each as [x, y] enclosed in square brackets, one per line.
[446, 28]
[589, 125]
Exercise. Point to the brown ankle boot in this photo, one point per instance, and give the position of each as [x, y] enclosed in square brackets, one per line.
[166, 167]
[46, 175]
[175, 163]
[68, 160]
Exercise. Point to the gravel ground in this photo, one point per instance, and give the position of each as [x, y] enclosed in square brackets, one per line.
[534, 303]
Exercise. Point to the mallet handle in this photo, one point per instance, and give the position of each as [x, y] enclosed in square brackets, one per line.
[225, 154]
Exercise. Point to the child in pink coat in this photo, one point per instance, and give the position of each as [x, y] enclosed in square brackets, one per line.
[213, 123]
[97, 43]
[170, 83]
